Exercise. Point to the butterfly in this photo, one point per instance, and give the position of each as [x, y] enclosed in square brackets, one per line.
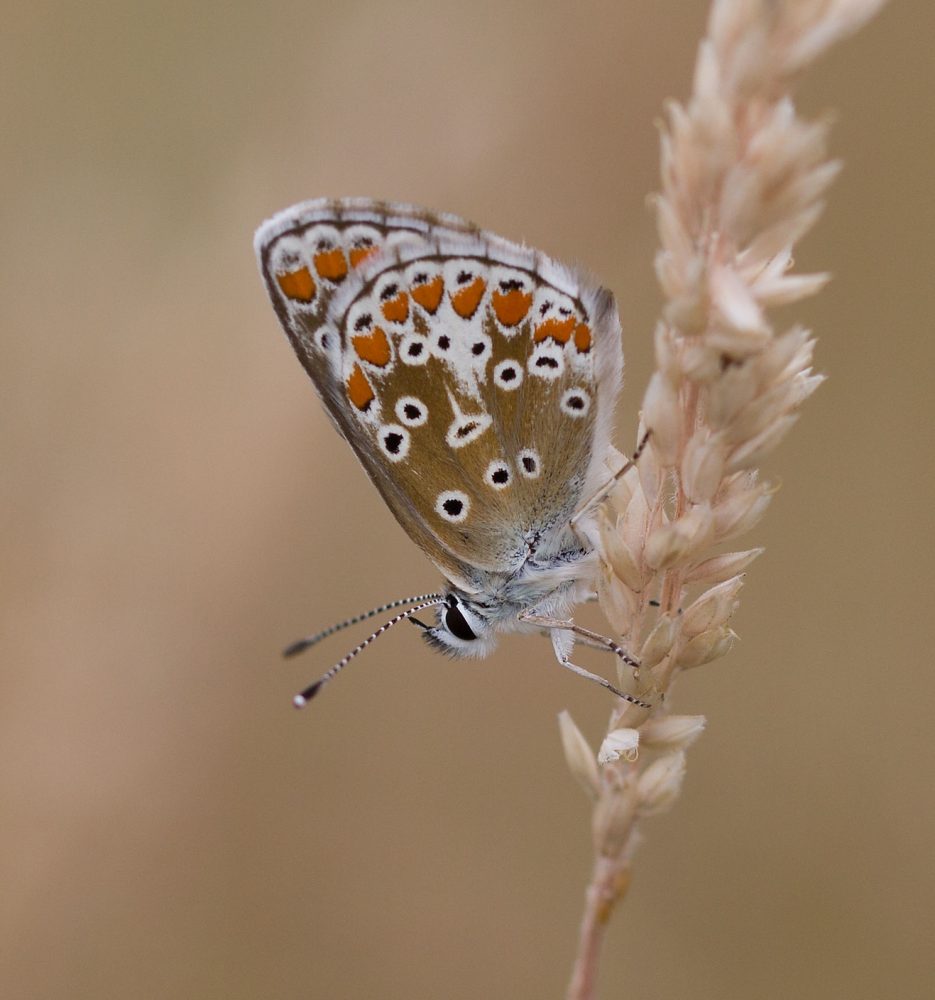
[475, 379]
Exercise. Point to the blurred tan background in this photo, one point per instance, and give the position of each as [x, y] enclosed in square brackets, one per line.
[176, 508]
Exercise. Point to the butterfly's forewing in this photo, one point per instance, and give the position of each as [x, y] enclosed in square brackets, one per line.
[474, 378]
[306, 253]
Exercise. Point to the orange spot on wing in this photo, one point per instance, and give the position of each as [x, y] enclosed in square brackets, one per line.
[583, 337]
[558, 329]
[512, 306]
[373, 347]
[467, 299]
[359, 254]
[359, 389]
[331, 264]
[397, 310]
[429, 294]
[298, 285]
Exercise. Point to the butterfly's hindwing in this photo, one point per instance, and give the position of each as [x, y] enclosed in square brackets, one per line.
[473, 377]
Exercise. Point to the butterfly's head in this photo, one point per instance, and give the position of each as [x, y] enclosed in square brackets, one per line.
[463, 629]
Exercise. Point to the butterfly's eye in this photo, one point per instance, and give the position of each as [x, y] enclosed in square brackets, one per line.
[457, 625]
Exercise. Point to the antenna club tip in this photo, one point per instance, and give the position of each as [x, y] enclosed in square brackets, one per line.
[304, 697]
[295, 648]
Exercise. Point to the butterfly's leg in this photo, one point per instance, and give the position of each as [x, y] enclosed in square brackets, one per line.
[579, 630]
[563, 636]
[601, 495]
[590, 643]
[562, 641]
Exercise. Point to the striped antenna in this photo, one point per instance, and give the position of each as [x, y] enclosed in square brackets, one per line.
[302, 699]
[300, 645]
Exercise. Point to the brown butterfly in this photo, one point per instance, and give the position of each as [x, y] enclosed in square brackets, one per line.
[475, 380]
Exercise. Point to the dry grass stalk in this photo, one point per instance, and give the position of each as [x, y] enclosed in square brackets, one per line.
[742, 180]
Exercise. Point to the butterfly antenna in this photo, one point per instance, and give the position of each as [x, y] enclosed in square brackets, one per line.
[300, 645]
[302, 699]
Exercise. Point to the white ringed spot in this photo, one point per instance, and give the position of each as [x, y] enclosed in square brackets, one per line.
[547, 361]
[394, 441]
[325, 338]
[498, 475]
[529, 463]
[575, 402]
[453, 506]
[322, 236]
[480, 348]
[466, 428]
[508, 374]
[288, 253]
[414, 350]
[360, 318]
[441, 343]
[411, 411]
